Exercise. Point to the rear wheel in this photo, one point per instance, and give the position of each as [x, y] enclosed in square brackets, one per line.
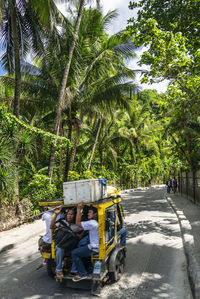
[118, 267]
[51, 267]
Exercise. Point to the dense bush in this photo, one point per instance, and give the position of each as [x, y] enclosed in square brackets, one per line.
[39, 189]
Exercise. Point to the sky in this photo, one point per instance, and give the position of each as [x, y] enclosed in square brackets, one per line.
[124, 14]
[121, 22]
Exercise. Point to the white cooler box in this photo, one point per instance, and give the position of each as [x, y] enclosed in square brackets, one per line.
[82, 191]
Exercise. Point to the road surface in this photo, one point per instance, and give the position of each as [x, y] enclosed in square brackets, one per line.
[155, 264]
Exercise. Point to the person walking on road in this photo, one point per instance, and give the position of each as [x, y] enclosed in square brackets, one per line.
[169, 185]
[174, 185]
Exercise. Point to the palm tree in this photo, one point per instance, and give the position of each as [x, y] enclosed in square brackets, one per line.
[106, 144]
[103, 80]
[22, 28]
[98, 76]
[95, 143]
[63, 86]
[64, 82]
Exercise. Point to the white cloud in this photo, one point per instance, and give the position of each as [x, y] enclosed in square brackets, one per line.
[124, 13]
[133, 64]
[107, 5]
[120, 23]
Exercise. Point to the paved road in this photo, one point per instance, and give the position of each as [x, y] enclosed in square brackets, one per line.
[155, 266]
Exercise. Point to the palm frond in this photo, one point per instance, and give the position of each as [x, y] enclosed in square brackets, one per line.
[109, 17]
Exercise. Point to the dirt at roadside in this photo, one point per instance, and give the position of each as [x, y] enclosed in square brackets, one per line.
[12, 215]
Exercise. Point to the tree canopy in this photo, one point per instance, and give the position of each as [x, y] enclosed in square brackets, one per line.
[170, 31]
[93, 120]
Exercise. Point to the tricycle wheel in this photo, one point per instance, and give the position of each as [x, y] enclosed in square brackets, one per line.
[118, 267]
[51, 267]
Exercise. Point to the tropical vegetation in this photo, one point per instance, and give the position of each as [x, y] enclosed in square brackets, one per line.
[75, 111]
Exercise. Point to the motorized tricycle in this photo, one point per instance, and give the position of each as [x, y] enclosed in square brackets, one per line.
[108, 264]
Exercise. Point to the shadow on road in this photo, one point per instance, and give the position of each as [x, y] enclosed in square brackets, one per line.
[7, 247]
[147, 265]
[160, 217]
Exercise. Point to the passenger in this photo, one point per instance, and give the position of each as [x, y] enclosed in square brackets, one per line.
[93, 241]
[122, 231]
[47, 217]
[46, 239]
[60, 252]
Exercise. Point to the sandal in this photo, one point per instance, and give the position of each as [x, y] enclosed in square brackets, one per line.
[78, 278]
[59, 274]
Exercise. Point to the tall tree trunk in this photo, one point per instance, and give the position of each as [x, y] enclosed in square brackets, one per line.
[18, 207]
[61, 160]
[69, 136]
[61, 153]
[136, 180]
[63, 86]
[95, 144]
[17, 62]
[73, 153]
[101, 155]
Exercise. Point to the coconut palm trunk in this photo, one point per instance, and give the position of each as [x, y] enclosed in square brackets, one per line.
[17, 63]
[101, 154]
[61, 153]
[73, 153]
[67, 160]
[62, 89]
[95, 144]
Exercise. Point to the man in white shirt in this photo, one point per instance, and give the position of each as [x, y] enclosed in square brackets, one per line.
[47, 217]
[84, 251]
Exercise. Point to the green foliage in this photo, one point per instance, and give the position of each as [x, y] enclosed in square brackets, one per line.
[8, 171]
[6, 182]
[39, 189]
[74, 176]
[87, 174]
[174, 16]
[12, 120]
[132, 136]
[107, 173]
[170, 30]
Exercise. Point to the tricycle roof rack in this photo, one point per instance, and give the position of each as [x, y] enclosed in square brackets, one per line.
[60, 201]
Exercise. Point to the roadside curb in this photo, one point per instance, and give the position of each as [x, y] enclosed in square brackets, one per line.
[188, 243]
